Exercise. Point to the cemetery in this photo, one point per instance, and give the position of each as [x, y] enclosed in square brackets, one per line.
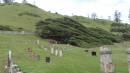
[38, 41]
[31, 56]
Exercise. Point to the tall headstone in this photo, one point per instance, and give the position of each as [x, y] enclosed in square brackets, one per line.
[106, 60]
[38, 42]
[52, 50]
[48, 59]
[128, 52]
[56, 52]
[10, 63]
[60, 53]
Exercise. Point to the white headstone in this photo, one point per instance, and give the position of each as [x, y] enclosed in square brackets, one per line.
[60, 53]
[52, 50]
[56, 52]
[38, 42]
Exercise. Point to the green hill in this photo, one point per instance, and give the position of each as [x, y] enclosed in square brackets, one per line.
[22, 16]
[74, 60]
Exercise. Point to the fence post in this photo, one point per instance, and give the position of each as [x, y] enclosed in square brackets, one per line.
[128, 52]
[106, 60]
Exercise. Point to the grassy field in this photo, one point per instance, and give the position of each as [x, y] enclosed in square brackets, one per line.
[75, 60]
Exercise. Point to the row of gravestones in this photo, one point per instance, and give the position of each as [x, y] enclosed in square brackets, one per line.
[53, 50]
[56, 52]
[107, 65]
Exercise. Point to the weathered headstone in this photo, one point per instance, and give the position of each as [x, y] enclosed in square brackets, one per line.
[10, 63]
[52, 50]
[38, 42]
[48, 60]
[56, 52]
[128, 52]
[106, 60]
[93, 53]
[60, 53]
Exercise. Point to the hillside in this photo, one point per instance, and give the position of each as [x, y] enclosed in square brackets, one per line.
[22, 16]
[26, 16]
[74, 59]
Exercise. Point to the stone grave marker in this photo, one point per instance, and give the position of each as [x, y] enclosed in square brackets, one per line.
[52, 50]
[48, 60]
[56, 52]
[93, 53]
[106, 60]
[60, 53]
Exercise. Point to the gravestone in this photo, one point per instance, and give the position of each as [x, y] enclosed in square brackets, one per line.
[56, 52]
[93, 53]
[86, 50]
[106, 60]
[60, 53]
[38, 42]
[52, 50]
[48, 59]
[38, 57]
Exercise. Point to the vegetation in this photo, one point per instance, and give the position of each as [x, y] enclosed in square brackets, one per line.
[69, 31]
[5, 28]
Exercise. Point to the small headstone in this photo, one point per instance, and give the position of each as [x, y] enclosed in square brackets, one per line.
[86, 50]
[48, 60]
[60, 53]
[38, 42]
[29, 50]
[93, 53]
[56, 52]
[38, 57]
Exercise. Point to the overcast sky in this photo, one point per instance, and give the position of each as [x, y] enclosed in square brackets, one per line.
[103, 8]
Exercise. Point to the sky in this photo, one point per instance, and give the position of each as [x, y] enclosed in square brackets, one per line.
[103, 8]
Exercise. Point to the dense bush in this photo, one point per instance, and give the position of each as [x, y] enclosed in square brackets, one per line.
[29, 14]
[72, 32]
[5, 28]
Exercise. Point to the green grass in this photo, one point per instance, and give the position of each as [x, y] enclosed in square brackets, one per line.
[9, 15]
[75, 60]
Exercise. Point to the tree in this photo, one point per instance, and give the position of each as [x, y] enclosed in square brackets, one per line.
[24, 1]
[93, 16]
[129, 15]
[117, 16]
[8, 1]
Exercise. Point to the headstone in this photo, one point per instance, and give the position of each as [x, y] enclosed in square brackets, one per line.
[29, 50]
[106, 60]
[60, 53]
[56, 52]
[22, 32]
[10, 63]
[93, 53]
[38, 42]
[86, 50]
[128, 52]
[38, 57]
[52, 50]
[48, 60]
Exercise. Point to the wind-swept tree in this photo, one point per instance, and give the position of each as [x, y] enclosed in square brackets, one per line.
[24, 1]
[117, 16]
[93, 16]
[8, 1]
[129, 15]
